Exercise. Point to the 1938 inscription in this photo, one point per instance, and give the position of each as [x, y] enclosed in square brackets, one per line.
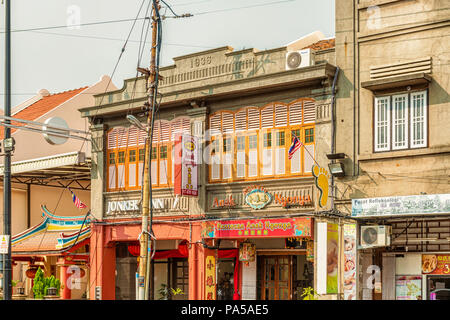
[201, 61]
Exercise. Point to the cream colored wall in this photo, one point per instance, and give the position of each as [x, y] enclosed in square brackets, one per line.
[407, 30]
[18, 209]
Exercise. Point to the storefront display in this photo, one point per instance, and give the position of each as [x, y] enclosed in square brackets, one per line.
[408, 287]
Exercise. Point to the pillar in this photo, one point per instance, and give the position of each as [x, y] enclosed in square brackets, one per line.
[65, 291]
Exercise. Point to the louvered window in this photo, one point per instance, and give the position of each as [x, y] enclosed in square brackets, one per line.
[254, 142]
[126, 154]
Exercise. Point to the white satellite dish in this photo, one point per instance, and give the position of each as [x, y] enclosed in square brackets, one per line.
[58, 127]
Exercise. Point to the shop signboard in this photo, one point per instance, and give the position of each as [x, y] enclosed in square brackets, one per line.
[332, 257]
[4, 244]
[210, 277]
[258, 228]
[401, 205]
[349, 261]
[436, 264]
[186, 165]
[408, 288]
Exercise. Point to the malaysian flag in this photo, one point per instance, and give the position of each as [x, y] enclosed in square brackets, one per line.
[77, 201]
[296, 144]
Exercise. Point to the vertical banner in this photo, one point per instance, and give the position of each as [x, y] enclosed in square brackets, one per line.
[321, 253]
[349, 261]
[186, 157]
[332, 257]
[210, 277]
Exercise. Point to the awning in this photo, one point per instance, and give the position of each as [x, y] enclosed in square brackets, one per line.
[62, 170]
[55, 235]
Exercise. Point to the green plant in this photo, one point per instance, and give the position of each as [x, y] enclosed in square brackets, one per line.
[42, 284]
[165, 292]
[309, 294]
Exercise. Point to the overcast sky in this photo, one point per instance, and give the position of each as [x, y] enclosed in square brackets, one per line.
[61, 57]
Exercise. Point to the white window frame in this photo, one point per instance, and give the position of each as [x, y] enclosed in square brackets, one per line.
[425, 119]
[394, 122]
[388, 133]
[409, 122]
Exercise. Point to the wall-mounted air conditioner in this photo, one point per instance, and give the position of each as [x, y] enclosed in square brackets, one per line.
[299, 59]
[375, 236]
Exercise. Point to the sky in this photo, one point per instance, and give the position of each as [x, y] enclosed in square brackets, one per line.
[74, 46]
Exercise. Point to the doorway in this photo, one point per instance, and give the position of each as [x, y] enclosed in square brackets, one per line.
[283, 277]
[438, 288]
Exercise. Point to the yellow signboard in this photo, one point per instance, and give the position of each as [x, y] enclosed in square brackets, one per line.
[210, 278]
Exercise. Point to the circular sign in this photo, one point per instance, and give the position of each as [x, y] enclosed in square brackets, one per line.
[52, 125]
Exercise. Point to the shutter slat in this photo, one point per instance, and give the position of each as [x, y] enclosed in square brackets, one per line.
[227, 122]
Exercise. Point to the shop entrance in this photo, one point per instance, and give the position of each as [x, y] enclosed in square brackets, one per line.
[283, 277]
[438, 287]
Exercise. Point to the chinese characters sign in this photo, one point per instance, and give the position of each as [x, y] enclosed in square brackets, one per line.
[210, 278]
[258, 228]
[436, 264]
[186, 165]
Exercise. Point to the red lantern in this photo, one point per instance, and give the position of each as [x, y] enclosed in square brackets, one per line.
[31, 272]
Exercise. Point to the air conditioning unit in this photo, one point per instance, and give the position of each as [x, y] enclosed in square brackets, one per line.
[375, 236]
[299, 59]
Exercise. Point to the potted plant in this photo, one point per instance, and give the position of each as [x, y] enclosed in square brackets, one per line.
[45, 286]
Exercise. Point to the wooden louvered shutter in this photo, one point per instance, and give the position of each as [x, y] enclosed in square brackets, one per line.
[122, 136]
[295, 114]
[111, 145]
[112, 139]
[215, 124]
[281, 116]
[309, 111]
[267, 117]
[227, 122]
[253, 119]
[241, 121]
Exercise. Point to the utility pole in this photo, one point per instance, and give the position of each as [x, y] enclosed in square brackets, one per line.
[147, 205]
[8, 146]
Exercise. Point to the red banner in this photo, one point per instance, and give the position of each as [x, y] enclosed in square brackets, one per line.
[258, 228]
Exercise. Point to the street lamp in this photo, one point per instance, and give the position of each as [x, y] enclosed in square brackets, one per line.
[134, 121]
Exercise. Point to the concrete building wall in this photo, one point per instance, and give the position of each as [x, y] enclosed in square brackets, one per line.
[382, 33]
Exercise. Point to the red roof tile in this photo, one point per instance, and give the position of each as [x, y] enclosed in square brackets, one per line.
[322, 44]
[42, 106]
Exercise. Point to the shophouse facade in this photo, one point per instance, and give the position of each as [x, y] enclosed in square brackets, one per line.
[252, 231]
[43, 213]
[392, 125]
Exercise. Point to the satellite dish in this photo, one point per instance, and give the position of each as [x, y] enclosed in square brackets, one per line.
[58, 127]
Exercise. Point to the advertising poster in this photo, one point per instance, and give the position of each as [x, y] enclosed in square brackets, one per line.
[332, 258]
[408, 288]
[349, 261]
[436, 264]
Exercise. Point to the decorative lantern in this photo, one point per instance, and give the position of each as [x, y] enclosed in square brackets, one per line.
[247, 251]
[31, 272]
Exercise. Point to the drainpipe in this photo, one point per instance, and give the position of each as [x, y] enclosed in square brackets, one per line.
[333, 129]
